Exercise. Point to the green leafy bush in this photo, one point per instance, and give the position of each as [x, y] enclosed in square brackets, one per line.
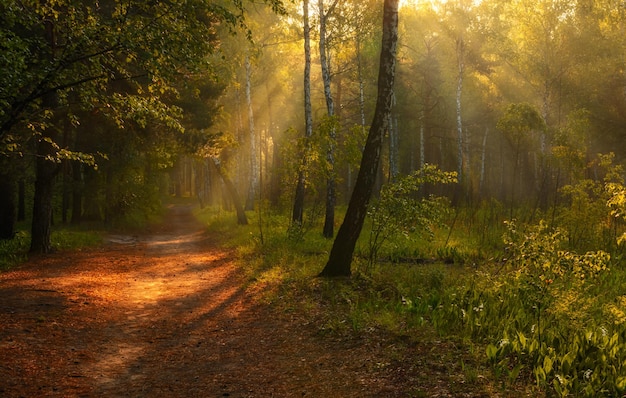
[400, 211]
[541, 318]
[588, 220]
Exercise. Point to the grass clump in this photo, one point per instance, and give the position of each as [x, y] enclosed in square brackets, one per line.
[72, 239]
[15, 251]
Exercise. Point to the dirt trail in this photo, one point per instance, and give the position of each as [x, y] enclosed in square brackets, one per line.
[165, 315]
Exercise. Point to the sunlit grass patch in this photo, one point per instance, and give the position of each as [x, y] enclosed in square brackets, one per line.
[66, 239]
[15, 251]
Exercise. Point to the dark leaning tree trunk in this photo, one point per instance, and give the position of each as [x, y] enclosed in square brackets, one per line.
[340, 258]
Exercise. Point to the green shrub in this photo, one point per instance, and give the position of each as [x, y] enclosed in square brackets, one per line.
[401, 212]
[541, 318]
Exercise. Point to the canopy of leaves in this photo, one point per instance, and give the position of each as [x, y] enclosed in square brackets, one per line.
[82, 53]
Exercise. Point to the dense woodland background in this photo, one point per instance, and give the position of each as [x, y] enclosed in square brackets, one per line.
[508, 118]
[121, 102]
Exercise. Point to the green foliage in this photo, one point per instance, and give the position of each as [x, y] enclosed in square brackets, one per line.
[544, 315]
[590, 215]
[293, 149]
[72, 239]
[133, 203]
[519, 120]
[542, 318]
[617, 204]
[400, 211]
[538, 253]
[351, 147]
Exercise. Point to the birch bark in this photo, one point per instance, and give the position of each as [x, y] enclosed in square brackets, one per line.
[460, 49]
[298, 203]
[329, 219]
[254, 164]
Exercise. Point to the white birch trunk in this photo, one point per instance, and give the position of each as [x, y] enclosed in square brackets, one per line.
[241, 156]
[298, 205]
[422, 143]
[330, 106]
[483, 159]
[459, 119]
[393, 143]
[308, 113]
[361, 84]
[361, 99]
[254, 164]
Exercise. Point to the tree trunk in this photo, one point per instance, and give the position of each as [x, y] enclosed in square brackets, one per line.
[7, 205]
[77, 193]
[459, 120]
[21, 200]
[241, 137]
[329, 219]
[483, 161]
[272, 153]
[359, 61]
[45, 172]
[298, 203]
[254, 168]
[422, 144]
[394, 153]
[66, 191]
[232, 191]
[340, 258]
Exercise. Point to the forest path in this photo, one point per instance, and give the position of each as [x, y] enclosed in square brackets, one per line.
[167, 314]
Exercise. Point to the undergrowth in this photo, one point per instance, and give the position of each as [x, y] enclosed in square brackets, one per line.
[393, 299]
[15, 251]
[546, 313]
[540, 302]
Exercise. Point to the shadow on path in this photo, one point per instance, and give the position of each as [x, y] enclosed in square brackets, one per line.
[162, 315]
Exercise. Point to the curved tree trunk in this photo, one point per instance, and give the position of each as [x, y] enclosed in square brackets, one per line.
[340, 258]
[232, 191]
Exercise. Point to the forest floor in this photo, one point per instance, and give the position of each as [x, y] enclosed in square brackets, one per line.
[168, 313]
